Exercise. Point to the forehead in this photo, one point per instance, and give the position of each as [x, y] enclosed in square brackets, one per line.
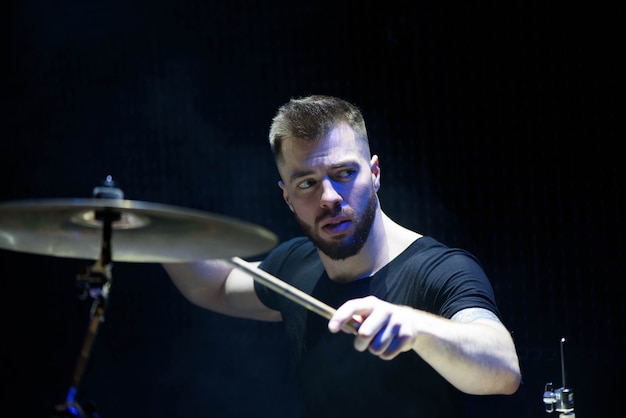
[339, 145]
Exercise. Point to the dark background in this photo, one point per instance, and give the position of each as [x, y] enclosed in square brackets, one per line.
[499, 130]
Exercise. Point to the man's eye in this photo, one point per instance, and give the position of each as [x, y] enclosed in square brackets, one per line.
[305, 184]
[347, 173]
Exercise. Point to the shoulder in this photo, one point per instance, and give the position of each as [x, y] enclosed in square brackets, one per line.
[299, 246]
[295, 262]
[451, 281]
[289, 255]
[433, 256]
[431, 245]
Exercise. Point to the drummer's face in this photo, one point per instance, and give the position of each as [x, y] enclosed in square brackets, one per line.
[331, 185]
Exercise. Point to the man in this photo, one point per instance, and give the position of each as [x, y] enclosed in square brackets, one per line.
[427, 324]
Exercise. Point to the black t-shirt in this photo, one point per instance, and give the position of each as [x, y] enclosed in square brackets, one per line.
[335, 380]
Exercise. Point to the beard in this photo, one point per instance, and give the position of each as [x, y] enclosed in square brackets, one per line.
[350, 245]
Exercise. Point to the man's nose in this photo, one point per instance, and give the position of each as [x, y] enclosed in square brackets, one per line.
[330, 197]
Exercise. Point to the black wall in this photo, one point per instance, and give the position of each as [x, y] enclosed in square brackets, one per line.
[497, 127]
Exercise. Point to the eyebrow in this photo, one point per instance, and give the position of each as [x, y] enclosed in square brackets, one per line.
[303, 173]
[300, 173]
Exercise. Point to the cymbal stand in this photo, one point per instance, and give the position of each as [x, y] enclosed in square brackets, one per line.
[561, 399]
[95, 282]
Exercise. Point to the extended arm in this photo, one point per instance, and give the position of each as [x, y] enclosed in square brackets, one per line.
[218, 286]
[473, 350]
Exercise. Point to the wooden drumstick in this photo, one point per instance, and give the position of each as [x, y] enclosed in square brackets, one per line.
[291, 292]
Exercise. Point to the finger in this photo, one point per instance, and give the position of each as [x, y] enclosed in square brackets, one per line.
[373, 331]
[383, 339]
[351, 325]
[400, 342]
[349, 316]
[393, 349]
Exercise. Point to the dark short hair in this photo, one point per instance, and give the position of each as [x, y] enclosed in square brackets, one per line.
[310, 118]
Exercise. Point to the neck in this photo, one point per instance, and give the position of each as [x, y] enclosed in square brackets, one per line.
[386, 241]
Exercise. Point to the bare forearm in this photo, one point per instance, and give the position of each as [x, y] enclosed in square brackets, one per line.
[474, 351]
[478, 358]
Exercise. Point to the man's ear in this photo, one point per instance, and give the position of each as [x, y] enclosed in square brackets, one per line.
[285, 194]
[375, 169]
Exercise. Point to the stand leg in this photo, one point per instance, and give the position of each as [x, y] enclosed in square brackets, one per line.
[99, 275]
[71, 408]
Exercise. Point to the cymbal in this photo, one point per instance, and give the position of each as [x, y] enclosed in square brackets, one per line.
[144, 232]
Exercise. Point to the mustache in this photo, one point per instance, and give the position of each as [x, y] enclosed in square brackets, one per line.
[329, 213]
